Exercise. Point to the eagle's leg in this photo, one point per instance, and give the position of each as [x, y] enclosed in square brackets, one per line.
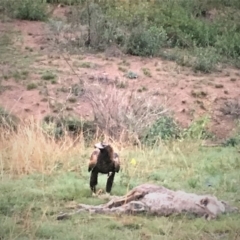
[93, 181]
[110, 182]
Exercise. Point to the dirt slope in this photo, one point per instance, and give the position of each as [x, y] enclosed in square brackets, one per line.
[189, 95]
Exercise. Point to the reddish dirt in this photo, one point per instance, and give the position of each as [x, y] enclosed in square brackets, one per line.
[177, 87]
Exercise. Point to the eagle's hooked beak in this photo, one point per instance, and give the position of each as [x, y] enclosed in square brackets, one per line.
[100, 145]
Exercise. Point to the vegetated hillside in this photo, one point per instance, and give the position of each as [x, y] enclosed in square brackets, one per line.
[182, 55]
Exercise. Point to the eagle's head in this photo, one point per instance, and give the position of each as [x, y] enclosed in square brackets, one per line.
[101, 145]
[105, 150]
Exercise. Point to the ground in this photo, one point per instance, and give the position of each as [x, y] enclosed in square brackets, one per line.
[187, 94]
[30, 203]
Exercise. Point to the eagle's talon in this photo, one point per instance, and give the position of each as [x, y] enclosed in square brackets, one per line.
[99, 192]
[105, 196]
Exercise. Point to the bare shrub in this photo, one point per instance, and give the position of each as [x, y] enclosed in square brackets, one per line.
[123, 116]
[232, 108]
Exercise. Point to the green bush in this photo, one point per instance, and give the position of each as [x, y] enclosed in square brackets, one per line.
[164, 128]
[67, 2]
[197, 129]
[142, 28]
[102, 30]
[232, 141]
[31, 86]
[228, 44]
[35, 10]
[146, 42]
[57, 126]
[48, 76]
[205, 59]
[185, 24]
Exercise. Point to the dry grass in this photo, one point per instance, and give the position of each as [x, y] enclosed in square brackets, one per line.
[32, 150]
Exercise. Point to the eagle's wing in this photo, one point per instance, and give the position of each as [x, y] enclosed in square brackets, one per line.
[116, 162]
[93, 159]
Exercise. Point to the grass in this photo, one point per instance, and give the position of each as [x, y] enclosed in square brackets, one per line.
[122, 69]
[39, 178]
[31, 86]
[14, 67]
[48, 75]
[83, 64]
[146, 72]
[142, 89]
[121, 84]
[72, 99]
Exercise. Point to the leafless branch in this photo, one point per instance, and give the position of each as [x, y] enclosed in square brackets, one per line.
[117, 111]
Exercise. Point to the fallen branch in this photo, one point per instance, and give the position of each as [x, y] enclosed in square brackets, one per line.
[157, 200]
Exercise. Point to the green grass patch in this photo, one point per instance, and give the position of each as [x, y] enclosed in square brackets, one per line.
[29, 205]
[48, 75]
[32, 86]
[25, 9]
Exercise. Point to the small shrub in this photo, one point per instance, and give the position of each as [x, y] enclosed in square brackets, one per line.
[48, 76]
[163, 128]
[131, 75]
[193, 182]
[142, 89]
[67, 2]
[85, 65]
[147, 72]
[25, 73]
[72, 100]
[17, 75]
[232, 108]
[122, 69]
[121, 84]
[76, 89]
[53, 81]
[219, 85]
[146, 42]
[232, 141]
[206, 60]
[31, 86]
[57, 126]
[125, 63]
[8, 120]
[228, 44]
[5, 40]
[30, 10]
[197, 129]
[199, 94]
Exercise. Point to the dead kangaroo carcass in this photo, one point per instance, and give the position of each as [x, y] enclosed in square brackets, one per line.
[160, 201]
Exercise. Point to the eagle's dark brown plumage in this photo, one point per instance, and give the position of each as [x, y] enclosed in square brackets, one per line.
[103, 160]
